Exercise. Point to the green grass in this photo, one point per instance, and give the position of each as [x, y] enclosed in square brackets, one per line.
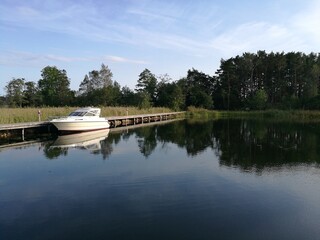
[193, 112]
[279, 115]
[291, 115]
[18, 115]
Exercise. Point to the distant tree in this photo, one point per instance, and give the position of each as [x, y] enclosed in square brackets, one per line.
[147, 84]
[14, 92]
[2, 100]
[128, 97]
[105, 76]
[85, 86]
[97, 88]
[31, 95]
[96, 80]
[54, 87]
[112, 94]
[170, 95]
[288, 79]
[200, 88]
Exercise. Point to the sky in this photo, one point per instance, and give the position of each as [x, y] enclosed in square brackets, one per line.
[166, 37]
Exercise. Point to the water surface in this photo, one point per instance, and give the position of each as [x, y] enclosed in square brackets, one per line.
[223, 179]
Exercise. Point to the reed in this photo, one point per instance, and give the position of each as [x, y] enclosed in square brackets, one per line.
[273, 114]
[278, 115]
[18, 115]
[193, 112]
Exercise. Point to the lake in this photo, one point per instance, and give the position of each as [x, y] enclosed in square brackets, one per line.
[187, 179]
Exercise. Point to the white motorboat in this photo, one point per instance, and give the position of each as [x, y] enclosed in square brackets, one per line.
[81, 120]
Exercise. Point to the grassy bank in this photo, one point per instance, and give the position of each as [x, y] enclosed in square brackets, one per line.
[288, 115]
[193, 112]
[18, 115]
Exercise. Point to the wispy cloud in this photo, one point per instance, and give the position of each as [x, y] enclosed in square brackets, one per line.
[149, 26]
[123, 60]
[256, 36]
[33, 59]
[181, 27]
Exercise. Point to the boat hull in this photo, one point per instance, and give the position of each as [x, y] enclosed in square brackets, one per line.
[80, 126]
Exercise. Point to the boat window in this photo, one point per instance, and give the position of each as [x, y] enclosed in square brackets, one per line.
[89, 114]
[77, 114]
[92, 113]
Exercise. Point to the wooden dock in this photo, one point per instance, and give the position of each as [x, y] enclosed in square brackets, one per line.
[122, 121]
[115, 122]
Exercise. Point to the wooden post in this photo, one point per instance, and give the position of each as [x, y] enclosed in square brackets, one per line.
[127, 116]
[39, 115]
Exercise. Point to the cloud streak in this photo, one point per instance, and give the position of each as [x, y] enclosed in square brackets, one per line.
[33, 59]
[142, 27]
[256, 36]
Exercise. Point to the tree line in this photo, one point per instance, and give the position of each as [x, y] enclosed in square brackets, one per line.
[251, 81]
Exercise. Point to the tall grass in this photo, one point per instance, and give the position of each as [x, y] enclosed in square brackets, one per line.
[279, 115]
[18, 115]
[285, 115]
[193, 112]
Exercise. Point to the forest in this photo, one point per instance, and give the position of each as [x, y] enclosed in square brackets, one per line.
[252, 81]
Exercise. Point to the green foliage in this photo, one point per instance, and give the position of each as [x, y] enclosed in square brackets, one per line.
[170, 95]
[54, 87]
[98, 88]
[253, 81]
[128, 97]
[201, 113]
[259, 100]
[285, 78]
[199, 98]
[14, 90]
[144, 100]
[147, 83]
[312, 103]
[199, 89]
[31, 96]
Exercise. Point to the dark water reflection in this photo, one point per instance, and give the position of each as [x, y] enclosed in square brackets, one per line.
[225, 179]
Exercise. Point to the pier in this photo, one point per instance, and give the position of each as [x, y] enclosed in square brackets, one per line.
[122, 121]
[6, 130]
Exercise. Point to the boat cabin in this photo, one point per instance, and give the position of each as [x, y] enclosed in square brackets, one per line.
[88, 112]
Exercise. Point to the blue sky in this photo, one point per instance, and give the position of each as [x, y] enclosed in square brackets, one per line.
[167, 37]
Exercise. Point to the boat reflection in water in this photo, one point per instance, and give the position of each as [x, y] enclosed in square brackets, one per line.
[86, 140]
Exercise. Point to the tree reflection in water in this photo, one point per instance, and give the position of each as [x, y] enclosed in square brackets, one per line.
[251, 145]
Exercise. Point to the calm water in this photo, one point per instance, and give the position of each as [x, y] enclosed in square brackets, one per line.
[226, 179]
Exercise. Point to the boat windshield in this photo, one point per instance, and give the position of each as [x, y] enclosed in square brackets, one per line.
[88, 113]
[78, 114]
[93, 113]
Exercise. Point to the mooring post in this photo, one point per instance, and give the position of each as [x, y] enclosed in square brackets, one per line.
[127, 116]
[39, 115]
